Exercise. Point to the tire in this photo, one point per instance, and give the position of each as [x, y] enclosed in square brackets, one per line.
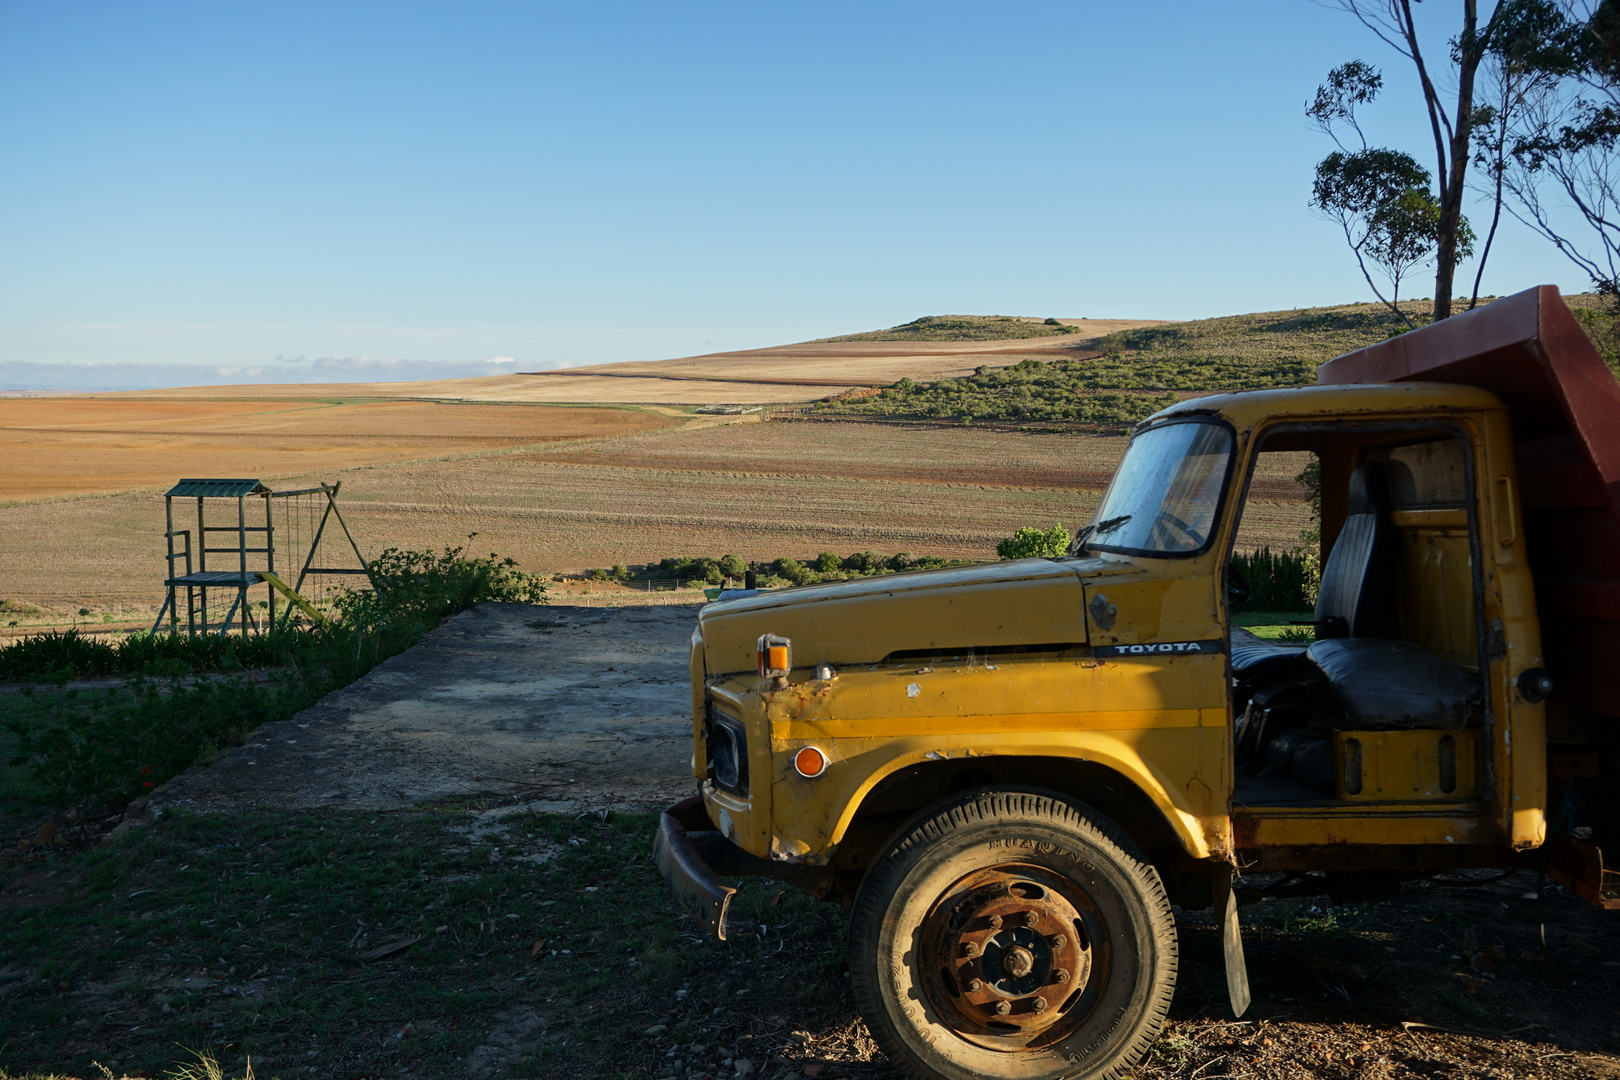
[1012, 934]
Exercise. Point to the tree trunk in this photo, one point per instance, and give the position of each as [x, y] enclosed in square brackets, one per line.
[1452, 184]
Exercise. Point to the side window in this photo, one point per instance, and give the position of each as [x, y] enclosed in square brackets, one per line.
[1426, 475]
[1278, 529]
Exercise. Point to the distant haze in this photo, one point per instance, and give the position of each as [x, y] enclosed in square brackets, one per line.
[221, 185]
[22, 376]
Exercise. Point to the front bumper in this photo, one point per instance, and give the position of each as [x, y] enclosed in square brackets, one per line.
[697, 888]
[692, 856]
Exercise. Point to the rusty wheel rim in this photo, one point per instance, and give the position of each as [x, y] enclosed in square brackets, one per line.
[1011, 957]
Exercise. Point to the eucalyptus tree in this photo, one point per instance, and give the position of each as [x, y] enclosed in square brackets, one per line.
[1451, 121]
[1381, 198]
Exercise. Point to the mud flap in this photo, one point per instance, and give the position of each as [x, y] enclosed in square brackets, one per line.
[1237, 972]
[697, 888]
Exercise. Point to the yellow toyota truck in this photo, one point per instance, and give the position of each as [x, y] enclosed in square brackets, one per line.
[1009, 772]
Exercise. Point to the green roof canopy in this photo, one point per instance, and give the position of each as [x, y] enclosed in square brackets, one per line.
[216, 489]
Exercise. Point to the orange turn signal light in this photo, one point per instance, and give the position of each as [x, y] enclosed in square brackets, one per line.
[775, 655]
[810, 762]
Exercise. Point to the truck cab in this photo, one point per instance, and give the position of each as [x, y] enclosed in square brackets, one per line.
[1010, 771]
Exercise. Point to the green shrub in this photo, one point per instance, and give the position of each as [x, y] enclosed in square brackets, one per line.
[732, 567]
[865, 563]
[1028, 543]
[828, 562]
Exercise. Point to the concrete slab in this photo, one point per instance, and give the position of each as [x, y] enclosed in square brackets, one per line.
[575, 706]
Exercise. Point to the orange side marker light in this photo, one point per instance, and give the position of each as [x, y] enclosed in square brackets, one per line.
[810, 763]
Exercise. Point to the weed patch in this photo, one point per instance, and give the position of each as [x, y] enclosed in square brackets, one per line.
[97, 750]
[237, 936]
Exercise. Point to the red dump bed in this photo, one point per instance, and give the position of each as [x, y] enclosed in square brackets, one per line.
[1529, 350]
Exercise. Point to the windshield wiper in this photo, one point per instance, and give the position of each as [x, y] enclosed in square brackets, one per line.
[1078, 545]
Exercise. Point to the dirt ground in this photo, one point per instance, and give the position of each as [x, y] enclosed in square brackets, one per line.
[538, 720]
[554, 705]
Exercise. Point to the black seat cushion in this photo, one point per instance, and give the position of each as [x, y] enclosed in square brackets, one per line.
[1252, 660]
[1357, 595]
[1384, 685]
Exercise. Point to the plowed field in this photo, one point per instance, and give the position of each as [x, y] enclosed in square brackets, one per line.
[64, 447]
[759, 490]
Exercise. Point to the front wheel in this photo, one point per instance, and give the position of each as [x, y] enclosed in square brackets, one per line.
[1013, 935]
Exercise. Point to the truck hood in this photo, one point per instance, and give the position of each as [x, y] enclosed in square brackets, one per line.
[993, 605]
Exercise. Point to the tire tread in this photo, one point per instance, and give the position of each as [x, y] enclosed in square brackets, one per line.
[1018, 805]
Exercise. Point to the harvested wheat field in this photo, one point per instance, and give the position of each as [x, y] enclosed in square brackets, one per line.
[759, 490]
[783, 373]
[64, 447]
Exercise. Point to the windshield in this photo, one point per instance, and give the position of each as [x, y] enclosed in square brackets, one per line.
[1165, 496]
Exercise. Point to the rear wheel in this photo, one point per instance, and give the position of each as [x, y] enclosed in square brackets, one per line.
[1013, 934]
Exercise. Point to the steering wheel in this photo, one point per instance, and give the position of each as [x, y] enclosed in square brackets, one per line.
[1165, 517]
[1237, 588]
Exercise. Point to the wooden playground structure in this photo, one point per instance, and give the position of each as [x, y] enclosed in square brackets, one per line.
[300, 517]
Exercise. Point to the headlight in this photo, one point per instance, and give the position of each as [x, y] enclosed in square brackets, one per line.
[728, 751]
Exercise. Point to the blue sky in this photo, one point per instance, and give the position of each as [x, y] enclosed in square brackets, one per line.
[345, 190]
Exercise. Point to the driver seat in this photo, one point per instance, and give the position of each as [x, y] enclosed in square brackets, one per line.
[1357, 597]
[1380, 681]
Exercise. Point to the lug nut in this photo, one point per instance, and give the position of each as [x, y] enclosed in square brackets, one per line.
[1030, 918]
[1056, 941]
[995, 922]
[974, 986]
[1060, 976]
[1002, 1008]
[969, 949]
[1040, 1004]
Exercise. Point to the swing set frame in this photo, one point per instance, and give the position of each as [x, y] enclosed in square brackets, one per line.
[188, 552]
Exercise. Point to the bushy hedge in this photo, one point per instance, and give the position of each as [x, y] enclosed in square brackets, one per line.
[1281, 581]
[100, 749]
[775, 573]
[58, 656]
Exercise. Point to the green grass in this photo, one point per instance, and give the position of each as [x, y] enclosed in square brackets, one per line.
[1269, 348]
[1277, 626]
[240, 935]
[1140, 371]
[1031, 391]
[1600, 318]
[962, 328]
